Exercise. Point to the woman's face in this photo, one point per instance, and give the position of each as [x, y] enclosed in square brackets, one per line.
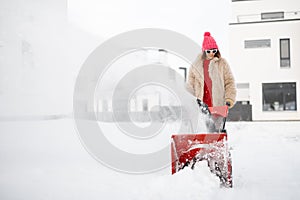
[210, 53]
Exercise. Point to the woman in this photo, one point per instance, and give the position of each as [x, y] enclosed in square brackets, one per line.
[210, 78]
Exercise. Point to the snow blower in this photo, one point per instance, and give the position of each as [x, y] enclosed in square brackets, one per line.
[188, 149]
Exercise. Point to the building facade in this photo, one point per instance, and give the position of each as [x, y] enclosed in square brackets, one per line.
[264, 38]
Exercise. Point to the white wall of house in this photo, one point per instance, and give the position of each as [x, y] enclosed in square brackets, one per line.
[262, 65]
[248, 10]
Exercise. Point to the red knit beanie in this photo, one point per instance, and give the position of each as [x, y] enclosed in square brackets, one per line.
[209, 42]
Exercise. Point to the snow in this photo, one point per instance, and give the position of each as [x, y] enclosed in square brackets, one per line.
[45, 160]
[186, 184]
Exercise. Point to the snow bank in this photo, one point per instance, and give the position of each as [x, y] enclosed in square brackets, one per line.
[199, 183]
[45, 160]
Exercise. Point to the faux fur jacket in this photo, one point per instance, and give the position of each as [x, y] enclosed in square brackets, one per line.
[223, 84]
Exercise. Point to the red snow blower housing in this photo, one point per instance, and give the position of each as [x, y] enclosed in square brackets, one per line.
[188, 149]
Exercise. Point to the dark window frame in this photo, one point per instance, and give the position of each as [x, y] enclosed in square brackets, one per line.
[279, 92]
[284, 59]
[272, 15]
[258, 43]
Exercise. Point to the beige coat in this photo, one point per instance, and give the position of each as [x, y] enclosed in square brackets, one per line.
[223, 85]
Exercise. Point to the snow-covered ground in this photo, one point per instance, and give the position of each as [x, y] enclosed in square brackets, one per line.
[46, 160]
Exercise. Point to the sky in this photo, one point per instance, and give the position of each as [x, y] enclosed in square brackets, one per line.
[51, 40]
[107, 18]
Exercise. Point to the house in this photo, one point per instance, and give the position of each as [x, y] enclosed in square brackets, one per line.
[264, 38]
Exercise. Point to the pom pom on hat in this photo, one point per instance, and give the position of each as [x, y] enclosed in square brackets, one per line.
[207, 34]
[208, 42]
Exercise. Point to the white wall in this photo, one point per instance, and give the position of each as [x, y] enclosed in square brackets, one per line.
[261, 6]
[262, 65]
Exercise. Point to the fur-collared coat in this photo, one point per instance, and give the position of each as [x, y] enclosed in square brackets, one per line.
[223, 84]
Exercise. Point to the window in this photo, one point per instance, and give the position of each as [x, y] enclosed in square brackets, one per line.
[184, 70]
[145, 105]
[172, 74]
[27, 55]
[285, 60]
[279, 96]
[243, 92]
[104, 106]
[263, 43]
[242, 85]
[272, 15]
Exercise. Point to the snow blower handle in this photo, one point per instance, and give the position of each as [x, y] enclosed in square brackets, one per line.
[228, 103]
[220, 111]
[203, 107]
[225, 118]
